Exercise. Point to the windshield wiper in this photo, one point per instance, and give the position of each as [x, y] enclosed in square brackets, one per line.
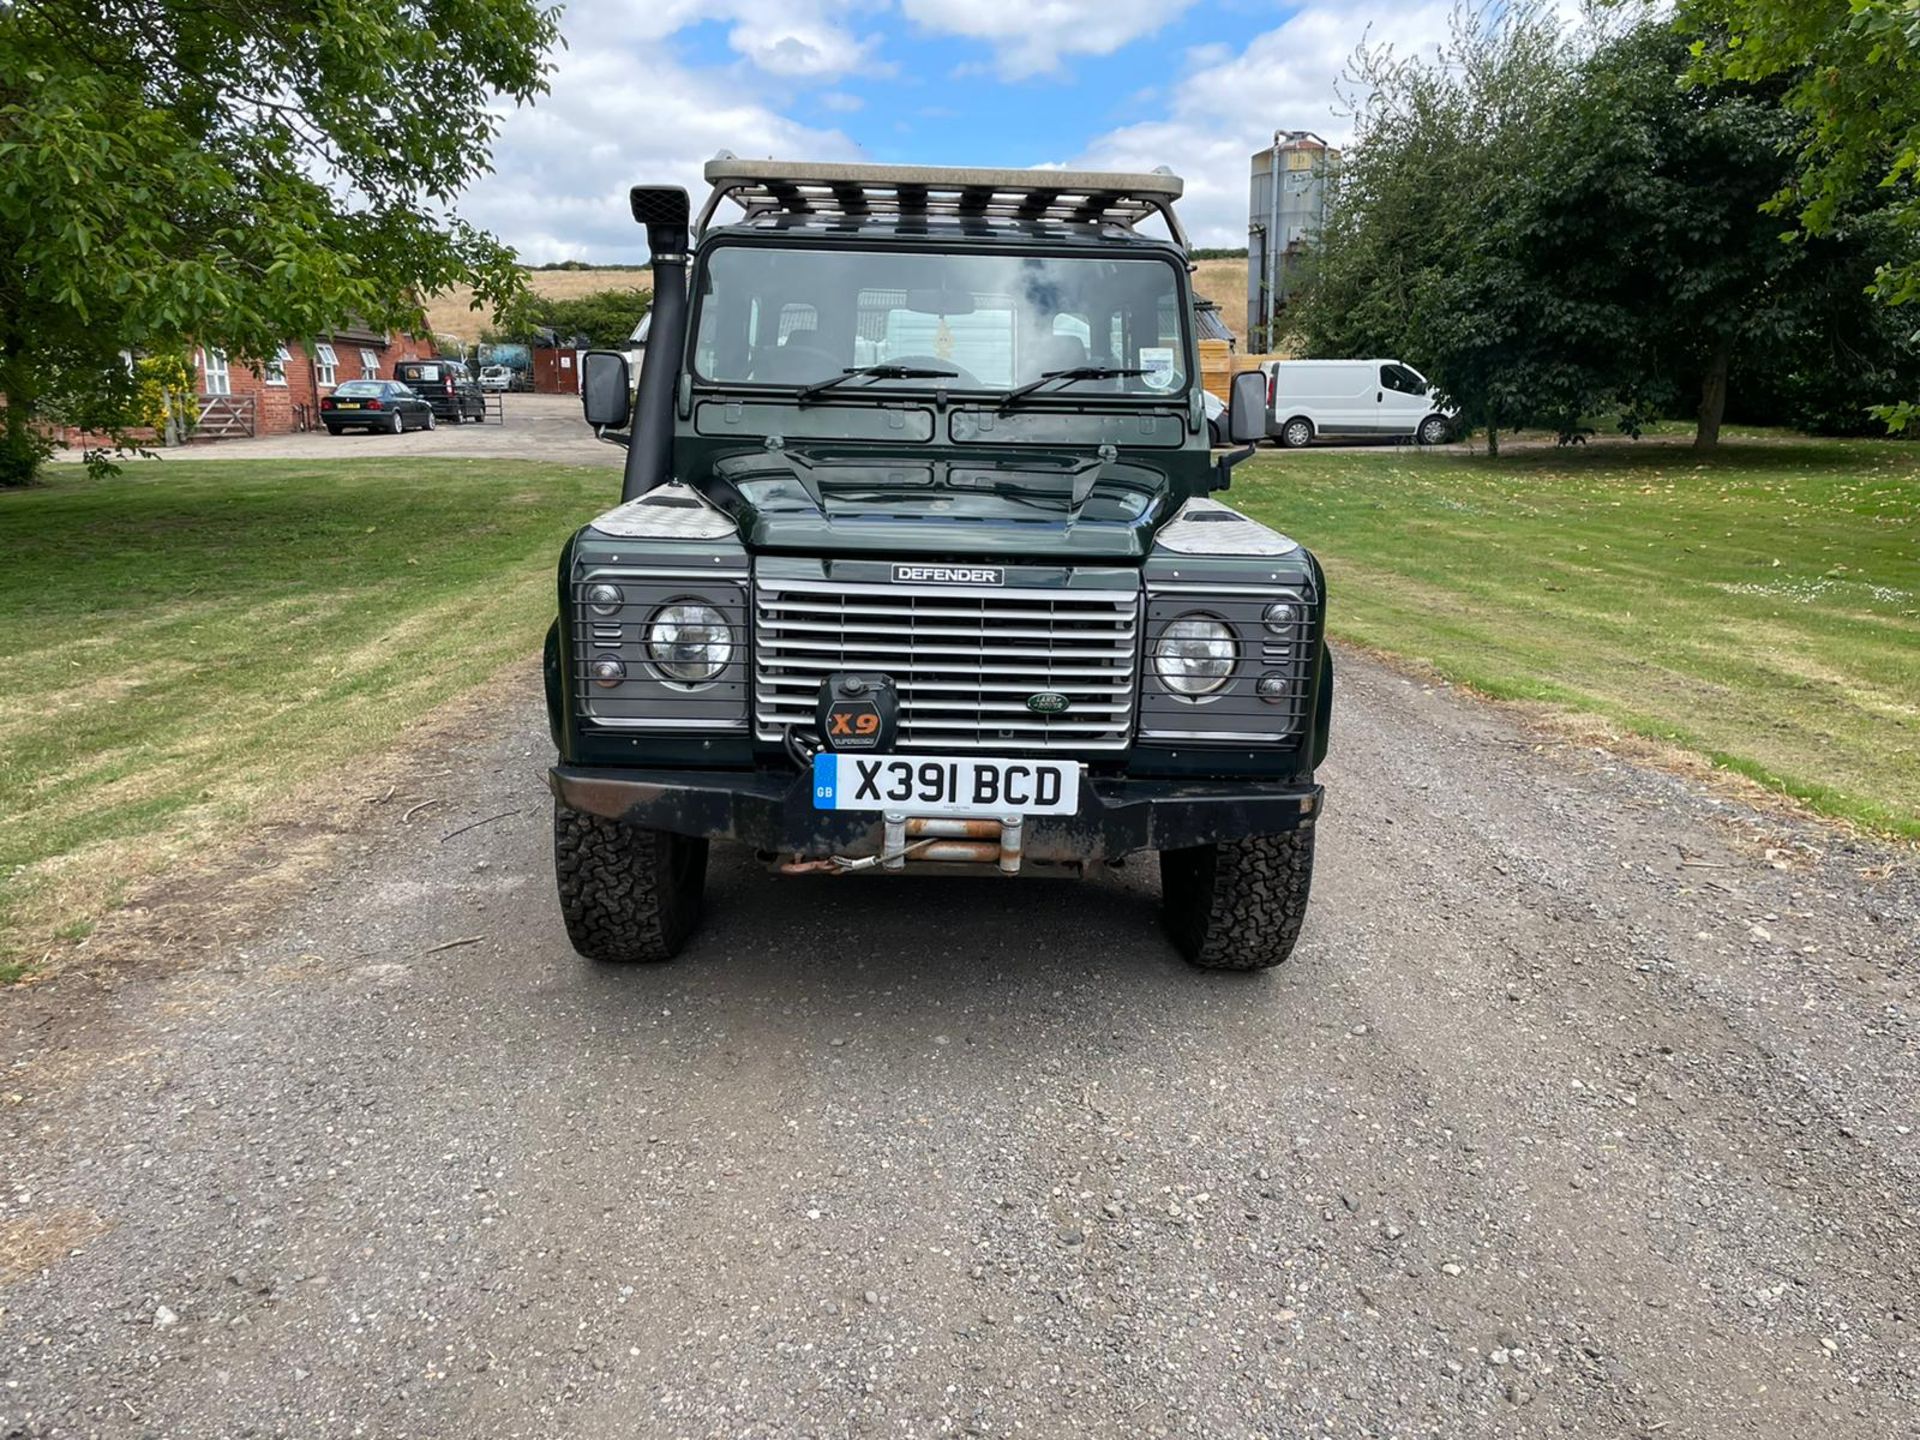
[882, 371]
[1066, 377]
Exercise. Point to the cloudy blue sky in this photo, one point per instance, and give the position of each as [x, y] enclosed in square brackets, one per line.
[647, 90]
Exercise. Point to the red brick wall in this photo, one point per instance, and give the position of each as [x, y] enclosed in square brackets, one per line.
[294, 406]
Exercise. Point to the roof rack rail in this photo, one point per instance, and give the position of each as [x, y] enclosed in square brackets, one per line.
[763, 187]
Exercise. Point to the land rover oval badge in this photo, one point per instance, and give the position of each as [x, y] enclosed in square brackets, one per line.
[1048, 702]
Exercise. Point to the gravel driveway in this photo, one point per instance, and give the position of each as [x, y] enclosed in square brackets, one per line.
[1586, 1107]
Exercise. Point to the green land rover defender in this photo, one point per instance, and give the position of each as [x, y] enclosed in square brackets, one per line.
[915, 567]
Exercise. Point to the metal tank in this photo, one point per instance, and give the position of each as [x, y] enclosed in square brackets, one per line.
[1283, 222]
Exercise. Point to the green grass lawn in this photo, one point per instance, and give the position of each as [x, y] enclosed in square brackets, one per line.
[193, 639]
[1760, 605]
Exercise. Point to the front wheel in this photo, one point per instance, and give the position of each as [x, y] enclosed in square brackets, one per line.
[1238, 904]
[630, 896]
[1296, 434]
[1434, 430]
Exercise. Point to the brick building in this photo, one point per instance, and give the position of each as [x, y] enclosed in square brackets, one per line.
[284, 397]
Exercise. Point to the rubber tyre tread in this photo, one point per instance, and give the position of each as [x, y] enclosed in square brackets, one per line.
[1238, 905]
[629, 896]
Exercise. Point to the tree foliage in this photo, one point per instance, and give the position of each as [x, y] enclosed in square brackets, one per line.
[1561, 224]
[1849, 72]
[1423, 254]
[602, 318]
[235, 173]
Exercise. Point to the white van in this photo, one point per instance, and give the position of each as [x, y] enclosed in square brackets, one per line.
[1350, 399]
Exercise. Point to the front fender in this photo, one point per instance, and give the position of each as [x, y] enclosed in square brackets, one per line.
[550, 667]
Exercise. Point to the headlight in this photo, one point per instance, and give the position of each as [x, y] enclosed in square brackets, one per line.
[689, 642]
[1194, 655]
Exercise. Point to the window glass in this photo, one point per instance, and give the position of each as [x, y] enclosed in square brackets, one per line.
[356, 388]
[1400, 378]
[276, 373]
[216, 379]
[325, 365]
[771, 315]
[369, 365]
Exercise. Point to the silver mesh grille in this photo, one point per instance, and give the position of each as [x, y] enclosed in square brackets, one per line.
[966, 660]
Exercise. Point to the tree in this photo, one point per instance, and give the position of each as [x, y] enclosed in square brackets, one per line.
[1557, 226]
[605, 318]
[1648, 208]
[1851, 72]
[1423, 255]
[234, 173]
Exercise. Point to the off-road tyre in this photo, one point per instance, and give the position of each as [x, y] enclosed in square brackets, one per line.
[1296, 434]
[1238, 905]
[1434, 430]
[630, 896]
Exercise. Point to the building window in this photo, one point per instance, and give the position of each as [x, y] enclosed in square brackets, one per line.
[277, 367]
[369, 365]
[214, 377]
[326, 365]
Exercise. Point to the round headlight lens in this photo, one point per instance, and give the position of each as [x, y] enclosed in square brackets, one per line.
[689, 642]
[1280, 616]
[1194, 655]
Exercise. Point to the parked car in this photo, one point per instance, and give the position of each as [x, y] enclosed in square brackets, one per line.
[1309, 400]
[496, 377]
[445, 384]
[917, 567]
[374, 405]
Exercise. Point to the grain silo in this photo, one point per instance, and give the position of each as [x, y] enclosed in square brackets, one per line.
[1283, 220]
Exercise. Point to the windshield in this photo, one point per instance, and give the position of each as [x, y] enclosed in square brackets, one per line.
[790, 316]
[361, 387]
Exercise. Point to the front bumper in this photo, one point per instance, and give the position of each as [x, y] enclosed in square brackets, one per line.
[772, 810]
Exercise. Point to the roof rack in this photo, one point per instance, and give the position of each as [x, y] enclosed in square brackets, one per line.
[763, 187]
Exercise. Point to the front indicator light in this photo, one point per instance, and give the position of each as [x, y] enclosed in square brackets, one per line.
[688, 642]
[1194, 655]
[1280, 616]
[1271, 686]
[607, 671]
[605, 599]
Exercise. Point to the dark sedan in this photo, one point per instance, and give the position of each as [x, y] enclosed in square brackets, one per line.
[374, 405]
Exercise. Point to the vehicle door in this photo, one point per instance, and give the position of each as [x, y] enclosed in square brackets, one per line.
[1339, 398]
[1400, 401]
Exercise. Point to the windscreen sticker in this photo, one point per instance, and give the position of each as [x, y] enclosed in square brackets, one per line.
[1157, 361]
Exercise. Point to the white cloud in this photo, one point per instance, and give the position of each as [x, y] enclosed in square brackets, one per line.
[617, 118]
[1228, 104]
[1031, 37]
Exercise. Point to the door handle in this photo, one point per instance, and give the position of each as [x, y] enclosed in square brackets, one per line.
[1379, 397]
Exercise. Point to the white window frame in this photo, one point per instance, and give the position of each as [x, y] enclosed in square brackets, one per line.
[326, 365]
[215, 377]
[369, 365]
[276, 371]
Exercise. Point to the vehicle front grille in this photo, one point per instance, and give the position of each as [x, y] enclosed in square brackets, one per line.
[966, 660]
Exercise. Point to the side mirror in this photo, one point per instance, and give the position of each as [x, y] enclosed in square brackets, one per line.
[604, 391]
[1247, 408]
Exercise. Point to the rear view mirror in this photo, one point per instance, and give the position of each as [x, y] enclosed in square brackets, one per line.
[940, 302]
[1247, 408]
[605, 391]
